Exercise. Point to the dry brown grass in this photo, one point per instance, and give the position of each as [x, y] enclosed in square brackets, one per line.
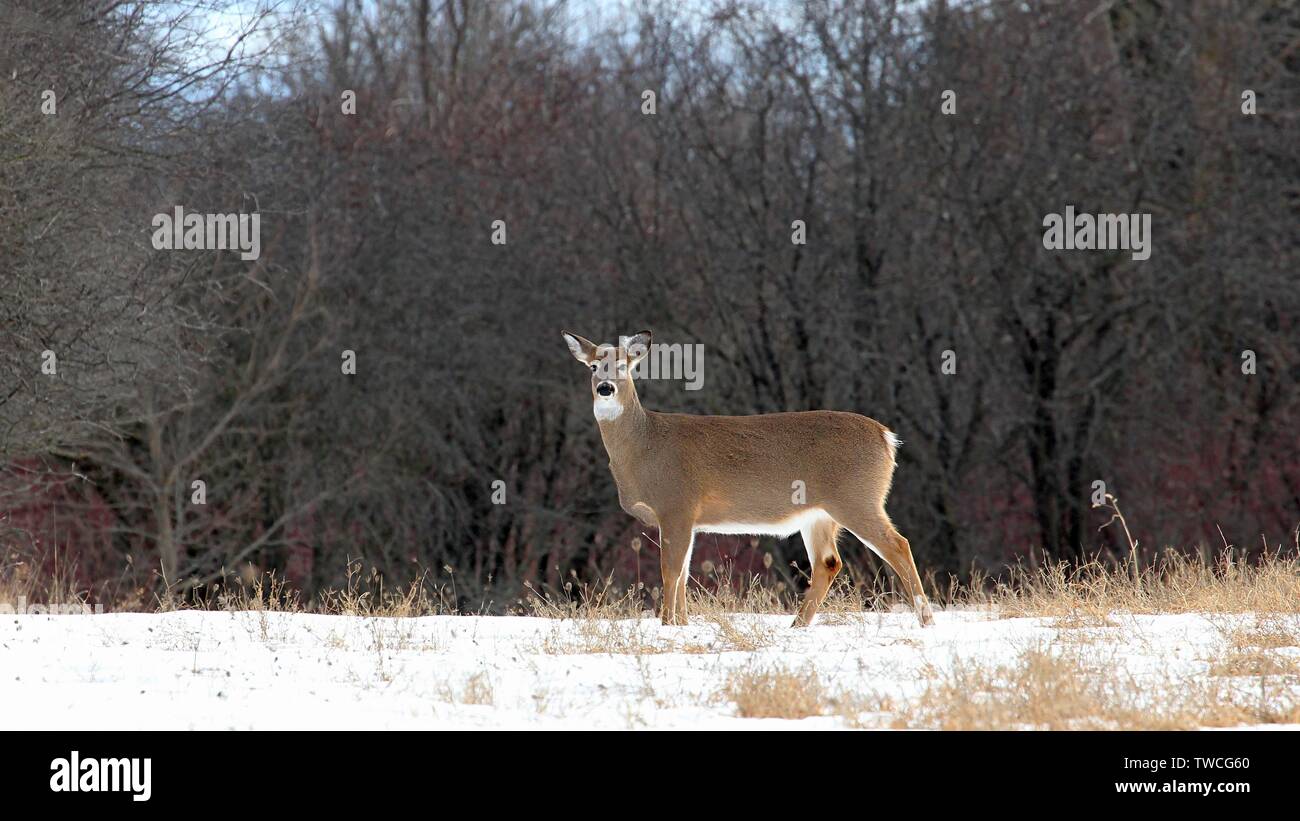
[477, 690]
[583, 600]
[1039, 690]
[371, 597]
[1250, 648]
[599, 636]
[725, 593]
[776, 692]
[28, 579]
[1175, 584]
[362, 595]
[1077, 597]
[1082, 621]
[630, 637]
[1059, 688]
[738, 635]
[1254, 663]
[1268, 631]
[779, 692]
[728, 594]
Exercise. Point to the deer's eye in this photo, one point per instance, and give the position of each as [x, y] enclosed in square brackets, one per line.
[593, 368]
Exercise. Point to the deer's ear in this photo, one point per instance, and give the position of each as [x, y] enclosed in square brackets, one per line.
[582, 349]
[637, 345]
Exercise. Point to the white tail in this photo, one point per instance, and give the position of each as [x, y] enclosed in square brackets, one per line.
[814, 473]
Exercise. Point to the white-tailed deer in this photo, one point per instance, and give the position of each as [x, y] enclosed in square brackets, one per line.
[739, 474]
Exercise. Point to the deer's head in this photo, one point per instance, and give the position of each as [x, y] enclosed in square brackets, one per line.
[611, 370]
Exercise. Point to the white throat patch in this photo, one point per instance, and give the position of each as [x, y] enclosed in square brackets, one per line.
[606, 408]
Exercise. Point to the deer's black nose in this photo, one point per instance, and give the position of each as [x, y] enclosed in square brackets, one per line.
[605, 389]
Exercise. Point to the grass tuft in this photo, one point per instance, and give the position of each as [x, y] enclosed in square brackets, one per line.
[776, 692]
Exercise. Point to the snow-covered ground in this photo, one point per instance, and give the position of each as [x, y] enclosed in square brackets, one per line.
[275, 670]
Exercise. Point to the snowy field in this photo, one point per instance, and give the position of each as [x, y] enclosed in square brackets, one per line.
[238, 670]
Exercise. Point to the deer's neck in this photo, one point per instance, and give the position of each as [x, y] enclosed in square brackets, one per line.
[626, 434]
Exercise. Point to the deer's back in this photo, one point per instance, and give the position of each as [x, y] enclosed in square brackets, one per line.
[747, 466]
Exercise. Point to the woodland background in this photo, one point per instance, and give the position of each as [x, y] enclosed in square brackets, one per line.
[924, 235]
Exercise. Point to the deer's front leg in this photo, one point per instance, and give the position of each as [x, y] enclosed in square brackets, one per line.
[674, 553]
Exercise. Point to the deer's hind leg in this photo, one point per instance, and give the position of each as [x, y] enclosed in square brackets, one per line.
[819, 537]
[875, 530]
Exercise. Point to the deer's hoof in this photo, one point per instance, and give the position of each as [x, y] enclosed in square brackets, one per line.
[924, 613]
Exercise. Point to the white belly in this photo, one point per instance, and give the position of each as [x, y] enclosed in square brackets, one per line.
[783, 528]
